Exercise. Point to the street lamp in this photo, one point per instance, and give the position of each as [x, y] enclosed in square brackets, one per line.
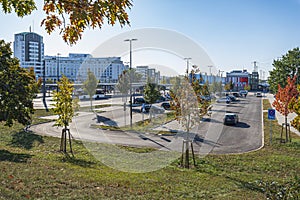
[57, 72]
[187, 67]
[130, 81]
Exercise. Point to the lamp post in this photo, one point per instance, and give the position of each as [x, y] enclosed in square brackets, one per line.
[57, 72]
[187, 67]
[130, 81]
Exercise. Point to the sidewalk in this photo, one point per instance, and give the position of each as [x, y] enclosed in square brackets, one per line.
[280, 118]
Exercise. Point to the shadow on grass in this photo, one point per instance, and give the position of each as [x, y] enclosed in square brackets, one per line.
[25, 139]
[13, 157]
[253, 186]
[77, 161]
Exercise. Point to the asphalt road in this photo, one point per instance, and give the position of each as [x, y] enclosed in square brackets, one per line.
[211, 136]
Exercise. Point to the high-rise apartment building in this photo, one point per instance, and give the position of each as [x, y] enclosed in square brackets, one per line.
[29, 49]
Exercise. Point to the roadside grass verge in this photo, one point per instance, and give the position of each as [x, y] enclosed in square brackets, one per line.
[33, 168]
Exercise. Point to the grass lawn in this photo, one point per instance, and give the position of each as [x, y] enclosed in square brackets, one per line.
[33, 168]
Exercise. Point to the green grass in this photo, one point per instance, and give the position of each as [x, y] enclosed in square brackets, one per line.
[33, 168]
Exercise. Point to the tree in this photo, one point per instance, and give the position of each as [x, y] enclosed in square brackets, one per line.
[151, 93]
[17, 89]
[185, 104]
[65, 108]
[90, 86]
[70, 17]
[283, 98]
[123, 84]
[247, 87]
[284, 67]
[295, 107]
[228, 86]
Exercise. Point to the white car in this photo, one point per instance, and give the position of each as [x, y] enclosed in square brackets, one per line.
[224, 100]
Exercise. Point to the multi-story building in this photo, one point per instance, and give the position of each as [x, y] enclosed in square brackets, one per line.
[239, 79]
[75, 67]
[29, 49]
[254, 80]
[148, 74]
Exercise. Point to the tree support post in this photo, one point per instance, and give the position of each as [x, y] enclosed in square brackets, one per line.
[185, 154]
[63, 141]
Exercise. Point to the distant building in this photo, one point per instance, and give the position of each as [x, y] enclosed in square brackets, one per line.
[239, 79]
[75, 67]
[29, 49]
[204, 78]
[148, 74]
[254, 80]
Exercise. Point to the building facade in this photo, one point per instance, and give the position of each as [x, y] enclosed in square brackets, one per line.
[148, 74]
[29, 49]
[239, 79]
[75, 67]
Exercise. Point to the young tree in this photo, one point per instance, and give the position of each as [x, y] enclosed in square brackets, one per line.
[285, 66]
[295, 107]
[90, 86]
[229, 86]
[185, 104]
[151, 93]
[123, 84]
[247, 87]
[70, 17]
[18, 87]
[283, 98]
[65, 108]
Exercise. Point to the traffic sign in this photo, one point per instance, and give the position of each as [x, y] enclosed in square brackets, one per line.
[271, 114]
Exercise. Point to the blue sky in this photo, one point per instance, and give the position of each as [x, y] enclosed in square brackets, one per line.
[234, 33]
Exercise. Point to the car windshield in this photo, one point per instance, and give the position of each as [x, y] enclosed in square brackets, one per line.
[230, 116]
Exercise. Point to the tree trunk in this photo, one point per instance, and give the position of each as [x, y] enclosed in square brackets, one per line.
[91, 103]
[286, 130]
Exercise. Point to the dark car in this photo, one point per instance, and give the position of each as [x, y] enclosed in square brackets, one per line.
[231, 118]
[236, 94]
[166, 105]
[139, 100]
[232, 98]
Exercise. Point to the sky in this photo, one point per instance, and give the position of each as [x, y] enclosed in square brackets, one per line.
[233, 33]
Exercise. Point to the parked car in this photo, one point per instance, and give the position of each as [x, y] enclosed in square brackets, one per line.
[224, 100]
[236, 94]
[139, 100]
[232, 98]
[152, 108]
[258, 94]
[160, 99]
[166, 105]
[231, 118]
[206, 97]
[243, 93]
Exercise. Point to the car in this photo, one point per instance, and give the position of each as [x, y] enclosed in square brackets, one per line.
[243, 93]
[236, 94]
[224, 100]
[166, 105]
[146, 108]
[232, 98]
[206, 97]
[231, 118]
[258, 94]
[161, 99]
[139, 100]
